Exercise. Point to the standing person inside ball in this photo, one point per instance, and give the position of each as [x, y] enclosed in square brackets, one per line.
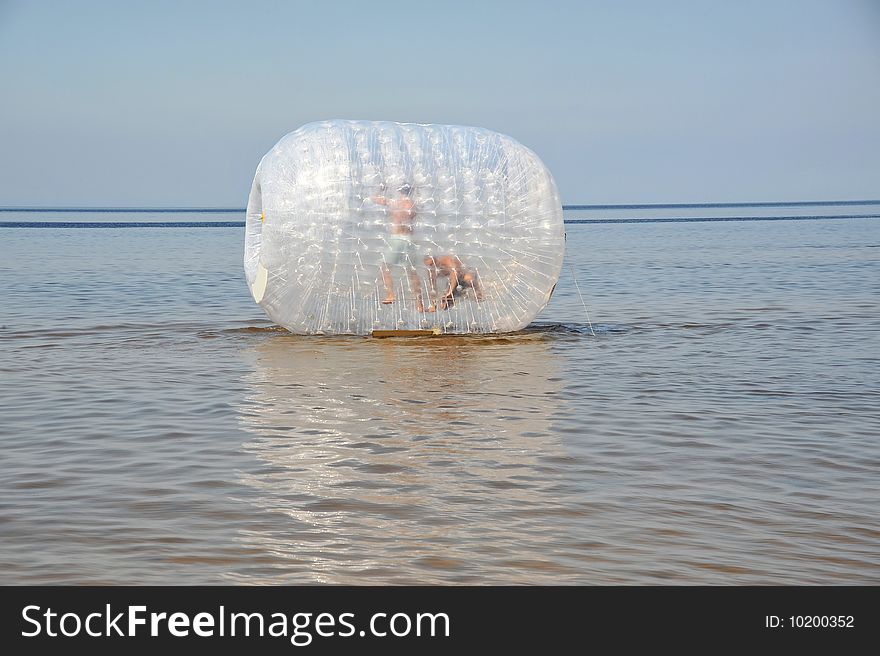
[402, 213]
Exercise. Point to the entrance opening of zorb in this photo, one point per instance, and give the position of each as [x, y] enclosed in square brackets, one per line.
[355, 227]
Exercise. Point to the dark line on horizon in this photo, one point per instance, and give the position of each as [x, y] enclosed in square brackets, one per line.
[630, 206]
[798, 203]
[721, 219]
[122, 224]
[130, 210]
[241, 224]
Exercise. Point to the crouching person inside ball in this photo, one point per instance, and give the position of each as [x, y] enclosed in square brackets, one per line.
[459, 278]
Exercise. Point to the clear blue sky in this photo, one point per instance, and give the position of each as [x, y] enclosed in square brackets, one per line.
[173, 103]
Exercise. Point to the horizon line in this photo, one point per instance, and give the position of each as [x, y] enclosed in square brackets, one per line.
[581, 207]
[242, 224]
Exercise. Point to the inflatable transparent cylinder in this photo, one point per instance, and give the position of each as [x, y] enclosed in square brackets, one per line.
[357, 226]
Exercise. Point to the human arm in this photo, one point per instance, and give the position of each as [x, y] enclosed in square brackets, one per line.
[447, 297]
[432, 279]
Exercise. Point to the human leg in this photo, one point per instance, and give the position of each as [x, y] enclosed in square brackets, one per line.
[396, 254]
[388, 281]
[415, 285]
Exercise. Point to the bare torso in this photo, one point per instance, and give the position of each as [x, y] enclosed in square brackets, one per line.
[447, 265]
[401, 212]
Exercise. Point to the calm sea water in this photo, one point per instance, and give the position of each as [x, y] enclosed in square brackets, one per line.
[722, 425]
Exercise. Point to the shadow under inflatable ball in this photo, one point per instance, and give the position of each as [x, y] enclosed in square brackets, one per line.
[361, 226]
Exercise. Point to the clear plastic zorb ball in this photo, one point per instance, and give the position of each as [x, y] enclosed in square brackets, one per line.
[357, 226]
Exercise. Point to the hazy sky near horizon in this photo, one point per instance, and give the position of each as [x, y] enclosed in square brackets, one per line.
[173, 103]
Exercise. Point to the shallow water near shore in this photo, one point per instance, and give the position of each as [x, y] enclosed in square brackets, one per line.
[715, 421]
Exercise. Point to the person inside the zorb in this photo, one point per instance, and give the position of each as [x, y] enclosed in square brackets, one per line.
[401, 250]
[459, 278]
